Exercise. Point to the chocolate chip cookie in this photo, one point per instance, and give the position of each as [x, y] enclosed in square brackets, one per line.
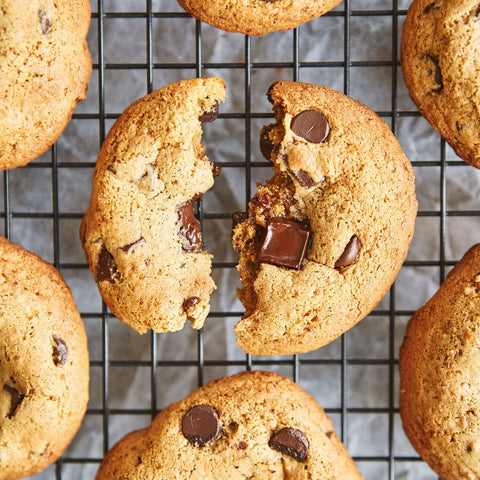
[325, 237]
[441, 66]
[255, 425]
[141, 236]
[257, 17]
[439, 379]
[44, 73]
[43, 364]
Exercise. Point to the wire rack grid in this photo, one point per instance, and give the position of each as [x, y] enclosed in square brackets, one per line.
[139, 46]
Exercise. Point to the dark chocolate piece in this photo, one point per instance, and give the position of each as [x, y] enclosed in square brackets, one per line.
[200, 425]
[311, 125]
[106, 268]
[190, 228]
[60, 352]
[290, 441]
[350, 254]
[210, 116]
[131, 246]
[238, 218]
[434, 72]
[262, 200]
[304, 179]
[16, 400]
[216, 170]
[266, 144]
[190, 302]
[45, 23]
[285, 243]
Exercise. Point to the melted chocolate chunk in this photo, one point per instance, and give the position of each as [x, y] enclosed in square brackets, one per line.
[434, 72]
[304, 179]
[290, 441]
[200, 425]
[285, 243]
[210, 116]
[266, 145]
[216, 169]
[16, 400]
[189, 228]
[131, 246]
[106, 268]
[350, 254]
[311, 125]
[238, 218]
[60, 352]
[45, 23]
[190, 302]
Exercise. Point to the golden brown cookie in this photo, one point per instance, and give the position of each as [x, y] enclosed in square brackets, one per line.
[255, 425]
[257, 17]
[439, 378]
[325, 237]
[43, 364]
[441, 66]
[140, 234]
[44, 71]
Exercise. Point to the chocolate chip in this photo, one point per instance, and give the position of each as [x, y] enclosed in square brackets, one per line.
[60, 352]
[311, 125]
[350, 254]
[216, 169]
[15, 401]
[285, 243]
[434, 72]
[266, 144]
[112, 169]
[131, 246]
[106, 268]
[200, 425]
[304, 179]
[262, 200]
[190, 228]
[238, 218]
[190, 302]
[210, 116]
[290, 441]
[45, 23]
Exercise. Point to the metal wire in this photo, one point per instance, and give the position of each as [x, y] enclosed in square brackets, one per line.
[297, 364]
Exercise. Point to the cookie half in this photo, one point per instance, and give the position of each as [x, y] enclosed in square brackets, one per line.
[251, 425]
[43, 364]
[440, 58]
[325, 237]
[257, 17]
[439, 378]
[44, 73]
[140, 234]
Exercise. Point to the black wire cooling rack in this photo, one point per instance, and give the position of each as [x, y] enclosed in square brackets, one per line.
[132, 376]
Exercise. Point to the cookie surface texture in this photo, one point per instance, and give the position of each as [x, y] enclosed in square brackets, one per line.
[44, 73]
[440, 58]
[342, 178]
[43, 364]
[257, 17]
[256, 425]
[439, 380]
[140, 234]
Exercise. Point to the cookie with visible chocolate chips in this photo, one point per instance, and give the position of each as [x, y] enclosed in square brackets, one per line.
[257, 17]
[44, 73]
[141, 235]
[325, 237]
[256, 425]
[44, 369]
[440, 60]
[439, 379]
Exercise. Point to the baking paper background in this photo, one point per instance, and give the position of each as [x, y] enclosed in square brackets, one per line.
[371, 347]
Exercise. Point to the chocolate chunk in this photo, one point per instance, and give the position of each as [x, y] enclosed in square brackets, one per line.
[350, 254]
[45, 23]
[190, 302]
[434, 73]
[131, 246]
[210, 116]
[189, 227]
[216, 169]
[200, 425]
[311, 125]
[266, 145]
[262, 200]
[290, 441]
[106, 268]
[304, 179]
[60, 352]
[238, 218]
[16, 400]
[285, 243]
